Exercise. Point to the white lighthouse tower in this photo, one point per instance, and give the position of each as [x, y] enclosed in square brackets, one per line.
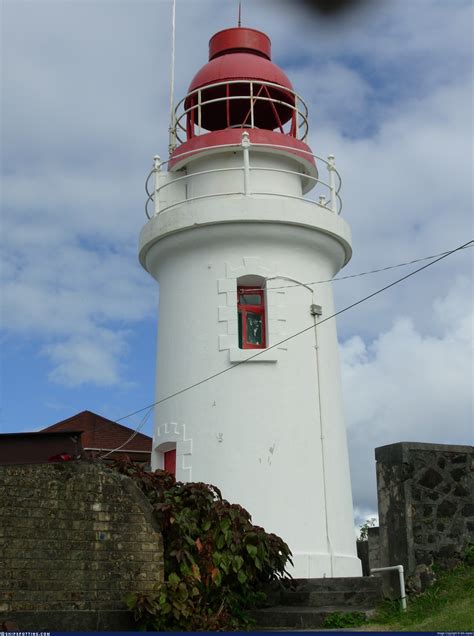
[233, 241]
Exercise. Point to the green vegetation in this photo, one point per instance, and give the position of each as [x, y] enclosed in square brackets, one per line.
[215, 560]
[364, 528]
[340, 620]
[446, 606]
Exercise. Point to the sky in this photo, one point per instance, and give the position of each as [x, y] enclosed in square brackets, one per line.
[85, 101]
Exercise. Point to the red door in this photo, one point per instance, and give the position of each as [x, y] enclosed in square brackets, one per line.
[170, 461]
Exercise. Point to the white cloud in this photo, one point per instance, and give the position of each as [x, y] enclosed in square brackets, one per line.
[93, 359]
[74, 288]
[408, 386]
[407, 193]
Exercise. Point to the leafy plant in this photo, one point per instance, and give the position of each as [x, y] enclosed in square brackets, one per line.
[216, 562]
[469, 554]
[339, 620]
[364, 528]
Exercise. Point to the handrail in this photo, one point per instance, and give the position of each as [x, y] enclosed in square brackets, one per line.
[333, 204]
[299, 107]
[239, 97]
[244, 81]
[258, 145]
[195, 174]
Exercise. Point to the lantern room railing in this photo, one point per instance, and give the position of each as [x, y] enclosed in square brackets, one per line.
[327, 192]
[190, 113]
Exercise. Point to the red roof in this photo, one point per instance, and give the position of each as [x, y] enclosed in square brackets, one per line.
[235, 66]
[100, 433]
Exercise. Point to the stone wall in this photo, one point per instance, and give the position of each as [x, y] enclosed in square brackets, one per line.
[373, 547]
[75, 539]
[426, 506]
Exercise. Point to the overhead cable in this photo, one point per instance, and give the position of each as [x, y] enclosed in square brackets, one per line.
[135, 432]
[298, 333]
[372, 271]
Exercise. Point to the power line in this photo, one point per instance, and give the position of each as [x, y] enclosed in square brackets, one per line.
[135, 432]
[298, 333]
[372, 271]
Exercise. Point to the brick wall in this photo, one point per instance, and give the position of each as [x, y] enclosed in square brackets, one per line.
[75, 538]
[426, 506]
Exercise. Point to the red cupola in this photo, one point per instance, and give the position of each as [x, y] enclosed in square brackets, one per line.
[239, 90]
[240, 86]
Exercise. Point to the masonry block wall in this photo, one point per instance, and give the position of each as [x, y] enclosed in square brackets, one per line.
[75, 539]
[426, 506]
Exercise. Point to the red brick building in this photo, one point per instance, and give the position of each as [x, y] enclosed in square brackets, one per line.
[100, 436]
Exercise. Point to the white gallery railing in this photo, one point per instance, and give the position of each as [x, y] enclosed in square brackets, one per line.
[188, 115]
[327, 192]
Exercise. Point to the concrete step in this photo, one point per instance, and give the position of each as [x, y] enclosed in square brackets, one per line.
[307, 603]
[286, 617]
[322, 598]
[356, 583]
[364, 591]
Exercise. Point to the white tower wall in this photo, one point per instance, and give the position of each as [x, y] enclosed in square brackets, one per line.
[269, 432]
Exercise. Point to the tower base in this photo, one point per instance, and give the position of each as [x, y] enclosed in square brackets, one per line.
[318, 565]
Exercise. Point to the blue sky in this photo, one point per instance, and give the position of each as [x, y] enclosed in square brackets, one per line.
[85, 93]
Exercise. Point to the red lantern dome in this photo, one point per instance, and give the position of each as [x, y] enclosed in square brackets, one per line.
[240, 90]
[240, 86]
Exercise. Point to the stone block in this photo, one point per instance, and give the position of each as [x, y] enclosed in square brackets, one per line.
[447, 508]
[430, 478]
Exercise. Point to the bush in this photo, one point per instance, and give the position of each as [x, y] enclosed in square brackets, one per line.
[469, 554]
[364, 529]
[215, 560]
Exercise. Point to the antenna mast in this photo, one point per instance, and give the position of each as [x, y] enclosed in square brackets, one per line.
[172, 140]
[239, 23]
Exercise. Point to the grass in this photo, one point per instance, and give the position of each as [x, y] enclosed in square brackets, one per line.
[339, 620]
[446, 606]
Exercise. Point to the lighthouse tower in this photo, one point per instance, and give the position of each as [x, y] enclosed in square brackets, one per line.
[234, 239]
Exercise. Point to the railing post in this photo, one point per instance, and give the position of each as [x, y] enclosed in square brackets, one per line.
[156, 184]
[332, 182]
[199, 111]
[246, 153]
[252, 121]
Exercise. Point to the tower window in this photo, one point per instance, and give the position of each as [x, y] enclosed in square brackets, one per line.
[251, 316]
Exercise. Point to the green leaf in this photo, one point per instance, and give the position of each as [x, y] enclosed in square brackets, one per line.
[130, 601]
[242, 576]
[174, 579]
[252, 550]
[238, 563]
[225, 523]
[196, 572]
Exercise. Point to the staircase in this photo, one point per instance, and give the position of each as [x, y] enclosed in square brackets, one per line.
[306, 603]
